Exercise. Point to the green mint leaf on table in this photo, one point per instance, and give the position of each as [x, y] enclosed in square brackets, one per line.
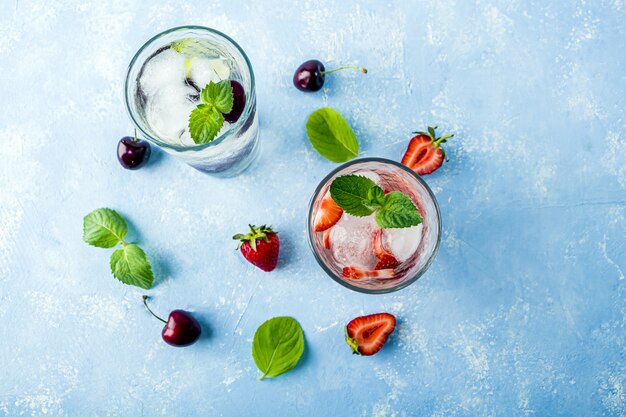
[397, 211]
[207, 118]
[104, 228]
[130, 265]
[331, 135]
[351, 193]
[359, 196]
[277, 346]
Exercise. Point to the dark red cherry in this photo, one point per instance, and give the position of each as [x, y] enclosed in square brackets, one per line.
[239, 102]
[311, 74]
[181, 329]
[133, 153]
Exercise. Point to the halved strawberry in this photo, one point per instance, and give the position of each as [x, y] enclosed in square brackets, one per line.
[326, 238]
[327, 215]
[386, 258]
[424, 153]
[366, 335]
[355, 273]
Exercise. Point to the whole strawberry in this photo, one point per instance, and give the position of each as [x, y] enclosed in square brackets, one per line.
[260, 247]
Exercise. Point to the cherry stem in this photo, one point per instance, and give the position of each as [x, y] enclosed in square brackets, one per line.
[145, 297]
[135, 139]
[363, 70]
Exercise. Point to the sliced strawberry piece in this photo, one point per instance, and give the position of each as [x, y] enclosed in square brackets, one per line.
[326, 238]
[355, 273]
[366, 335]
[424, 153]
[387, 260]
[327, 215]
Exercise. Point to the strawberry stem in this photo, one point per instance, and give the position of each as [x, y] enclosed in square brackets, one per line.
[442, 139]
[254, 234]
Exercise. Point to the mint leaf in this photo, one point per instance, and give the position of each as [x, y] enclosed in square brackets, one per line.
[351, 193]
[397, 211]
[277, 346]
[331, 135]
[207, 119]
[205, 123]
[359, 196]
[104, 228]
[131, 266]
[376, 196]
[218, 95]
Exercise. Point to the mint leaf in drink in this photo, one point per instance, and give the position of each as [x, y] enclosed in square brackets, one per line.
[331, 135]
[104, 228]
[397, 211]
[376, 196]
[277, 346]
[351, 193]
[218, 95]
[359, 196]
[207, 119]
[192, 47]
[204, 123]
[131, 266]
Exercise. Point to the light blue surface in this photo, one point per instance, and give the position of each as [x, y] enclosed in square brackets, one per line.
[522, 313]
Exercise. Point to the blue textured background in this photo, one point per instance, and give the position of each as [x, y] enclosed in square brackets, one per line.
[522, 313]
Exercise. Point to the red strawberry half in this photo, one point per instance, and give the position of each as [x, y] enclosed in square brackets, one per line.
[366, 335]
[352, 272]
[327, 215]
[424, 153]
[386, 258]
[260, 247]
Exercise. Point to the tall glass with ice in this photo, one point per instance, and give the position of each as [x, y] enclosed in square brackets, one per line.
[355, 251]
[162, 88]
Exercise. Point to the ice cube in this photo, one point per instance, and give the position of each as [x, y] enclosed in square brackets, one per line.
[204, 70]
[168, 110]
[402, 243]
[164, 69]
[351, 241]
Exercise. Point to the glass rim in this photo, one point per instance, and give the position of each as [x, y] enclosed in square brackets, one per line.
[328, 271]
[233, 128]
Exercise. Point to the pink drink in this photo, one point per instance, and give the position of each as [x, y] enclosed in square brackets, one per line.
[350, 250]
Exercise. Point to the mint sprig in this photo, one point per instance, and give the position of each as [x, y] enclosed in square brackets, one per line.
[331, 135]
[207, 119]
[106, 228]
[360, 196]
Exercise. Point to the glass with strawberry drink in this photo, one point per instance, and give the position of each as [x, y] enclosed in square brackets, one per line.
[374, 225]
